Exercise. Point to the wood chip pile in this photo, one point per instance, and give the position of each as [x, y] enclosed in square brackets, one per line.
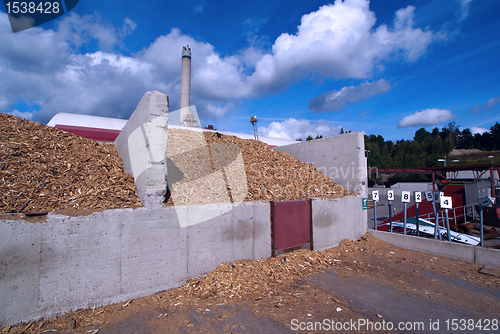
[231, 169]
[277, 176]
[45, 169]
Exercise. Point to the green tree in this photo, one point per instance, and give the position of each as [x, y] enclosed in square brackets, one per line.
[495, 136]
[465, 140]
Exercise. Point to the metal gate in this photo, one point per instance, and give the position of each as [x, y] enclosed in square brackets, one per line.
[291, 225]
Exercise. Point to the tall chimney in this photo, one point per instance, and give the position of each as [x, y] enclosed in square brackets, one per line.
[185, 77]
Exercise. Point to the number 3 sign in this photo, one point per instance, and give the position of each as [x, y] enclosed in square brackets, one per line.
[390, 195]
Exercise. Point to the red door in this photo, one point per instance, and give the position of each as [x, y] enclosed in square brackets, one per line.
[290, 224]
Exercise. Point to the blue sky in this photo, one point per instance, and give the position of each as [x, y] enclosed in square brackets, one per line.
[302, 67]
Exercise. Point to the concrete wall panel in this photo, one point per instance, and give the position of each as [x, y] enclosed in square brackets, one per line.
[80, 261]
[153, 253]
[337, 219]
[487, 256]
[210, 244]
[20, 247]
[341, 158]
[256, 244]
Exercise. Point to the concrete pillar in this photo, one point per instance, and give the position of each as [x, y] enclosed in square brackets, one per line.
[142, 146]
[185, 82]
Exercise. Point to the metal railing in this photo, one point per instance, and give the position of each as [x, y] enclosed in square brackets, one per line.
[457, 214]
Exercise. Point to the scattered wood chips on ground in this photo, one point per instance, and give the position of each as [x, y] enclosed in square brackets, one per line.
[256, 279]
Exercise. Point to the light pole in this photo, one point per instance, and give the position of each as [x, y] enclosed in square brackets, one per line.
[444, 160]
[491, 157]
[452, 161]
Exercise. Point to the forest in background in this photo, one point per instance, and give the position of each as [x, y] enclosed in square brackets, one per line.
[427, 147]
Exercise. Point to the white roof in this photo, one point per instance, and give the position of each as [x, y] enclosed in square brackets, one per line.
[87, 121]
[99, 122]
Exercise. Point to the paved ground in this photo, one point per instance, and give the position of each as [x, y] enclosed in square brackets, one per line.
[370, 283]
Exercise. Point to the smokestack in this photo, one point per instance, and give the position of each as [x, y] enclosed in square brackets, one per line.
[186, 77]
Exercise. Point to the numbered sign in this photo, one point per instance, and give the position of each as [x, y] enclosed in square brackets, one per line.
[428, 196]
[437, 196]
[418, 197]
[485, 201]
[375, 195]
[405, 196]
[445, 202]
[390, 195]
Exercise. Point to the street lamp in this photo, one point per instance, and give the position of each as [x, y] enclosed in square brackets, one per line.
[444, 160]
[491, 157]
[452, 161]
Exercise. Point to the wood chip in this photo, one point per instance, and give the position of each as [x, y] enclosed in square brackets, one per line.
[46, 169]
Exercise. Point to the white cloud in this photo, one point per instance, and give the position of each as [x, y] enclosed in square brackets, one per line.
[464, 9]
[336, 100]
[339, 40]
[199, 8]
[427, 117]
[492, 103]
[477, 129]
[293, 129]
[26, 115]
[364, 113]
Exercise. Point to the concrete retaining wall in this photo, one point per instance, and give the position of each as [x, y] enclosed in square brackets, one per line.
[66, 263]
[341, 158]
[452, 250]
[338, 219]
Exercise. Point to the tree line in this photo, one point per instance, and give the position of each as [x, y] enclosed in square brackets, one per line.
[427, 147]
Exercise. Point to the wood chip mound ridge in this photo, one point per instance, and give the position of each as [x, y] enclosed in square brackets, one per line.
[46, 169]
[273, 175]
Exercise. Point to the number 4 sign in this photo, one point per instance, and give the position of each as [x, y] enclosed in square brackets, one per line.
[405, 196]
[446, 202]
